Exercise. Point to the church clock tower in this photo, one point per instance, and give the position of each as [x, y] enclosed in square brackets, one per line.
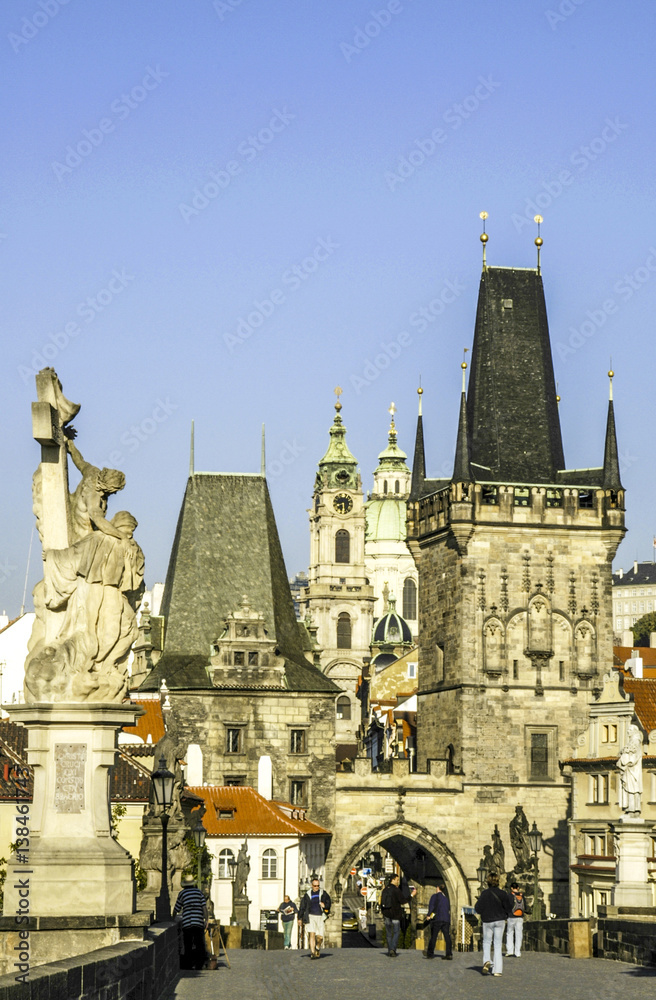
[339, 598]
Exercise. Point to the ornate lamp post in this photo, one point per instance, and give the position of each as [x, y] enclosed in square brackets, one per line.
[232, 865]
[199, 840]
[163, 781]
[481, 871]
[535, 843]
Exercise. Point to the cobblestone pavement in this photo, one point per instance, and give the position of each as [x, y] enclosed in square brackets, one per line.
[370, 975]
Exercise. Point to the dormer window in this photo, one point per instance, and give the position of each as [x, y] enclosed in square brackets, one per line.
[226, 813]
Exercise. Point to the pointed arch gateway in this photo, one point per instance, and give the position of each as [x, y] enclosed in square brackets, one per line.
[406, 842]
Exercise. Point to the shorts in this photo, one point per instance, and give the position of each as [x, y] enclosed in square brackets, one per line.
[315, 924]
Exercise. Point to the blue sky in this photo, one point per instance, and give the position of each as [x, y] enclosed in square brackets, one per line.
[221, 211]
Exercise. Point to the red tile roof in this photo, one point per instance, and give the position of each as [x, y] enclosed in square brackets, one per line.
[151, 724]
[646, 653]
[644, 696]
[252, 814]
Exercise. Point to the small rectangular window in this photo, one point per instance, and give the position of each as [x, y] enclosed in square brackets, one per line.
[489, 495]
[235, 780]
[539, 756]
[298, 792]
[252, 659]
[515, 670]
[586, 499]
[554, 498]
[298, 742]
[412, 670]
[522, 496]
[233, 740]
[238, 658]
[561, 670]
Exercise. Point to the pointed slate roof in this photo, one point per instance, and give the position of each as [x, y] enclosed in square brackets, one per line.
[419, 462]
[512, 411]
[461, 467]
[611, 479]
[226, 545]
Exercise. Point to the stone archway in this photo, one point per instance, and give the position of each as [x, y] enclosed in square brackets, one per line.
[395, 836]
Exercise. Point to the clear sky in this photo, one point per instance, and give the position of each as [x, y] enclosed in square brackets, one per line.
[221, 211]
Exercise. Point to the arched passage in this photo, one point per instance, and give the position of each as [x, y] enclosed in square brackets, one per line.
[422, 856]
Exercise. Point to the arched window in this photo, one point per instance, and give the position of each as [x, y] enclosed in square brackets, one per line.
[270, 864]
[385, 487]
[410, 600]
[343, 707]
[342, 546]
[397, 486]
[224, 858]
[344, 631]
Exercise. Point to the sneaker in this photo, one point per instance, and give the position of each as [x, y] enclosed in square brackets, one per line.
[496, 973]
[487, 969]
[427, 954]
[447, 958]
[393, 954]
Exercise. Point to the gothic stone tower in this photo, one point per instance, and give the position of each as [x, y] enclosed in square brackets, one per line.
[338, 597]
[514, 555]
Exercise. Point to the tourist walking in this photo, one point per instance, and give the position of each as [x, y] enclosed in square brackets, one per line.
[493, 907]
[191, 902]
[288, 909]
[315, 905]
[391, 905]
[439, 915]
[515, 929]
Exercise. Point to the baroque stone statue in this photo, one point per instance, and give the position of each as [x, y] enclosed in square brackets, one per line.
[93, 569]
[518, 828]
[242, 870]
[629, 765]
[498, 852]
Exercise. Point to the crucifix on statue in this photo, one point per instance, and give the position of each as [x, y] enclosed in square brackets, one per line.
[50, 414]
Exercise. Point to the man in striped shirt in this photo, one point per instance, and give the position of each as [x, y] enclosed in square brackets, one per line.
[194, 921]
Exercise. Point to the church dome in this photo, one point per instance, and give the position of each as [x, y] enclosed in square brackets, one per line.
[391, 629]
[386, 519]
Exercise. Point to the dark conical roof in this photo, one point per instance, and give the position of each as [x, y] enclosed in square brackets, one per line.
[512, 411]
[419, 463]
[461, 467]
[611, 478]
[226, 545]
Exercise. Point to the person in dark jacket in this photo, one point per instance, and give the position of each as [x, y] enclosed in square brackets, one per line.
[391, 904]
[288, 910]
[494, 908]
[314, 906]
[439, 915]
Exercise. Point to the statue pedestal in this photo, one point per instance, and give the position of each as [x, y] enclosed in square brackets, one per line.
[72, 864]
[632, 840]
[241, 911]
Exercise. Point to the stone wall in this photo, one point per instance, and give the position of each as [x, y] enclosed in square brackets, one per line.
[619, 939]
[266, 719]
[129, 970]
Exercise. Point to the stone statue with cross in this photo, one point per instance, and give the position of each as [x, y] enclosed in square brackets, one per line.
[93, 569]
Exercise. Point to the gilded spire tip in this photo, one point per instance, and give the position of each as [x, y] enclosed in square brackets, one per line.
[484, 237]
[538, 239]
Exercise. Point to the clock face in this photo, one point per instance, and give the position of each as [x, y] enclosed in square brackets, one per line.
[343, 503]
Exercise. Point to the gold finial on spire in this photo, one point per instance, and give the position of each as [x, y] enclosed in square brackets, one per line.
[464, 366]
[484, 237]
[420, 393]
[557, 396]
[611, 375]
[538, 240]
[338, 393]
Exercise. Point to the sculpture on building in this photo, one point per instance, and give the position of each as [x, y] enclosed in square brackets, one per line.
[242, 870]
[498, 852]
[518, 828]
[629, 765]
[93, 569]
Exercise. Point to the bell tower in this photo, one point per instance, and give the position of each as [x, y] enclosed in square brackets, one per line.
[339, 598]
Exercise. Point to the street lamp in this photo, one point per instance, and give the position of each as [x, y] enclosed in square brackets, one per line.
[232, 865]
[199, 840]
[163, 781]
[481, 871]
[535, 844]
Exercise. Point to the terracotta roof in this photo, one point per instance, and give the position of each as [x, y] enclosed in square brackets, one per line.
[252, 814]
[646, 653]
[644, 696]
[138, 749]
[151, 724]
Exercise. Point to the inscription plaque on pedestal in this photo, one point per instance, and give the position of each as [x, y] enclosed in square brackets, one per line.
[70, 763]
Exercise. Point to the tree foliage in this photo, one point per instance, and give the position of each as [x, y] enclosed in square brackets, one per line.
[642, 628]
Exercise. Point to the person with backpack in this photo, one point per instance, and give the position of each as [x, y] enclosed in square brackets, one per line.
[493, 907]
[515, 928]
[315, 905]
[391, 904]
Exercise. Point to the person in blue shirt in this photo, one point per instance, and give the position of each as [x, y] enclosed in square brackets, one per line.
[439, 915]
[314, 906]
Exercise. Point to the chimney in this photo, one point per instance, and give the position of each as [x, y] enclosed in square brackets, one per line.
[620, 573]
[194, 756]
[635, 663]
[635, 566]
[652, 640]
[265, 777]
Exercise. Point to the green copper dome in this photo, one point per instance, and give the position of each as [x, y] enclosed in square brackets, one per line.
[386, 520]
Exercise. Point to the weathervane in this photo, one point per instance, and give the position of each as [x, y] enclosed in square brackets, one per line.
[538, 238]
[338, 393]
[484, 237]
